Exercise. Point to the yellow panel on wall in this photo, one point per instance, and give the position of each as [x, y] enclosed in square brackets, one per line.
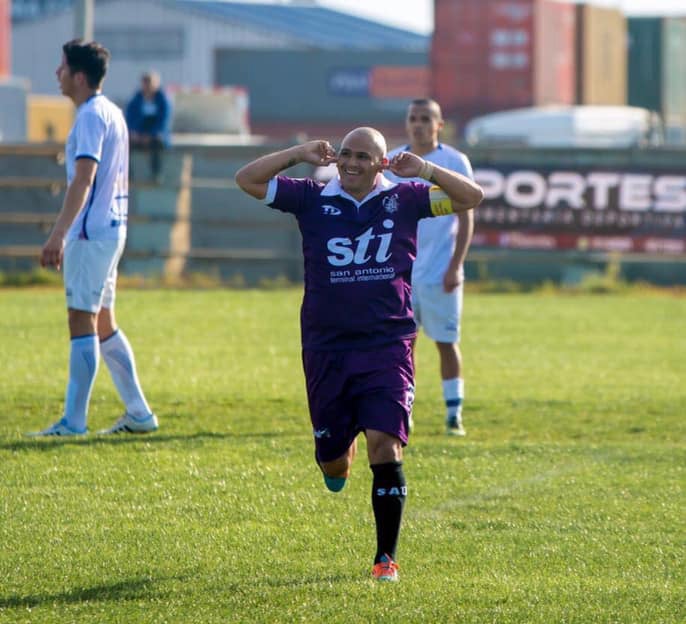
[49, 118]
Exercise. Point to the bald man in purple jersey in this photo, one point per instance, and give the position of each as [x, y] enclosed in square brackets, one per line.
[359, 234]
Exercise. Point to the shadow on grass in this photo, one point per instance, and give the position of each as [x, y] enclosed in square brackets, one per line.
[146, 588]
[50, 443]
[291, 582]
[131, 589]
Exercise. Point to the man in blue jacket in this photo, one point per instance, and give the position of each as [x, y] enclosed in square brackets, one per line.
[148, 116]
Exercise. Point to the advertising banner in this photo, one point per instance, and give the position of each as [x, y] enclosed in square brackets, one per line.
[380, 81]
[629, 211]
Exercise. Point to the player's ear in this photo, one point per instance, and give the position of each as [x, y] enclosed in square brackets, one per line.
[384, 163]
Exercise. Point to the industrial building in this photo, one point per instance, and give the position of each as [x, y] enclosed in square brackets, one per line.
[306, 68]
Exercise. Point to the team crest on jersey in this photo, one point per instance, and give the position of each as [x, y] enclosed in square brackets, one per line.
[390, 203]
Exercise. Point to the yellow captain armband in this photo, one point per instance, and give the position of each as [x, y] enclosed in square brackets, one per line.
[441, 204]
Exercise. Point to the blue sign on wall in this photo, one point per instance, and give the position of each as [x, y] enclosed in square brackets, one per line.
[350, 81]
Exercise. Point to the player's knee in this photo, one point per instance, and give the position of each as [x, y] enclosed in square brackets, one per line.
[383, 447]
[337, 468]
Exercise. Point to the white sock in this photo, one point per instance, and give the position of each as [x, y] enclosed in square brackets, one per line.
[83, 367]
[118, 356]
[453, 393]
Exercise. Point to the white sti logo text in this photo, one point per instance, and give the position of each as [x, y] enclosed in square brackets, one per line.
[345, 251]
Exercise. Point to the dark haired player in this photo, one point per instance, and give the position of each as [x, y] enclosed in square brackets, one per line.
[88, 239]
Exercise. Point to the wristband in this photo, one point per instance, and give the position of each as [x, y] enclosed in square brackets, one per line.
[427, 170]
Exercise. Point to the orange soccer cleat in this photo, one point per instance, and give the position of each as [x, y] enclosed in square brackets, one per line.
[385, 570]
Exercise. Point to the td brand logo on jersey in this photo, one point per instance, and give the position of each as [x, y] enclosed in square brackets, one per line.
[330, 210]
[360, 250]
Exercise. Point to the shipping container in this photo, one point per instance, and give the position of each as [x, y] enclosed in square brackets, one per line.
[601, 58]
[554, 55]
[645, 63]
[657, 71]
[490, 55]
[5, 39]
[674, 79]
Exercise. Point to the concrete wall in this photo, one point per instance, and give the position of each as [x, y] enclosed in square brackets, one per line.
[197, 221]
[13, 94]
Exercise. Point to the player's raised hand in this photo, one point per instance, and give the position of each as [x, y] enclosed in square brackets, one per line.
[406, 165]
[318, 153]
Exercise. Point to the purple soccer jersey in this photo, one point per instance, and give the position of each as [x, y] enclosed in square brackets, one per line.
[358, 260]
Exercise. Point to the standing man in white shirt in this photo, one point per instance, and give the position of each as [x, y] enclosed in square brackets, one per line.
[88, 239]
[442, 245]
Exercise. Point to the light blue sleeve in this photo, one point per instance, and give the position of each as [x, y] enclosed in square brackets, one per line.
[466, 167]
[271, 191]
[90, 136]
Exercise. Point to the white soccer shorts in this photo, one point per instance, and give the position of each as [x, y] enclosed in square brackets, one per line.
[90, 273]
[438, 312]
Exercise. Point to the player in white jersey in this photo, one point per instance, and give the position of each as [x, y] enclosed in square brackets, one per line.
[438, 273]
[88, 239]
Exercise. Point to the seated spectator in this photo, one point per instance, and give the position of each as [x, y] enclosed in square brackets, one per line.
[148, 116]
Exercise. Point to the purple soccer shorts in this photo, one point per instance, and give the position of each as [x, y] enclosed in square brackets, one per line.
[352, 391]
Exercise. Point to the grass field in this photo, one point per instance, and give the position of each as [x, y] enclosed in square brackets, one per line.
[565, 503]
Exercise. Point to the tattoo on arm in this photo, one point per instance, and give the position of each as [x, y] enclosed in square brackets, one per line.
[432, 179]
[290, 164]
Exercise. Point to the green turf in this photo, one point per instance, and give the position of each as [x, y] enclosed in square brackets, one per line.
[565, 503]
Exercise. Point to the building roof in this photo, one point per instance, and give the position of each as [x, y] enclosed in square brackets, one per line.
[314, 25]
[305, 21]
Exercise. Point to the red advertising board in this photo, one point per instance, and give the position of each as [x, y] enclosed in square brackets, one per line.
[400, 81]
[5, 40]
[630, 211]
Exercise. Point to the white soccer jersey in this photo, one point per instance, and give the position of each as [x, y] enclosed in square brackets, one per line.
[100, 133]
[435, 237]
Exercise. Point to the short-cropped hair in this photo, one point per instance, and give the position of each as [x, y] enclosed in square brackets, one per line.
[91, 58]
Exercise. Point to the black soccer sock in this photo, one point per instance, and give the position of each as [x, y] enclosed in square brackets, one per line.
[388, 499]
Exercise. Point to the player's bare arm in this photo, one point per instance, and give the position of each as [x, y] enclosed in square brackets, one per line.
[453, 274]
[464, 194]
[74, 200]
[254, 177]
